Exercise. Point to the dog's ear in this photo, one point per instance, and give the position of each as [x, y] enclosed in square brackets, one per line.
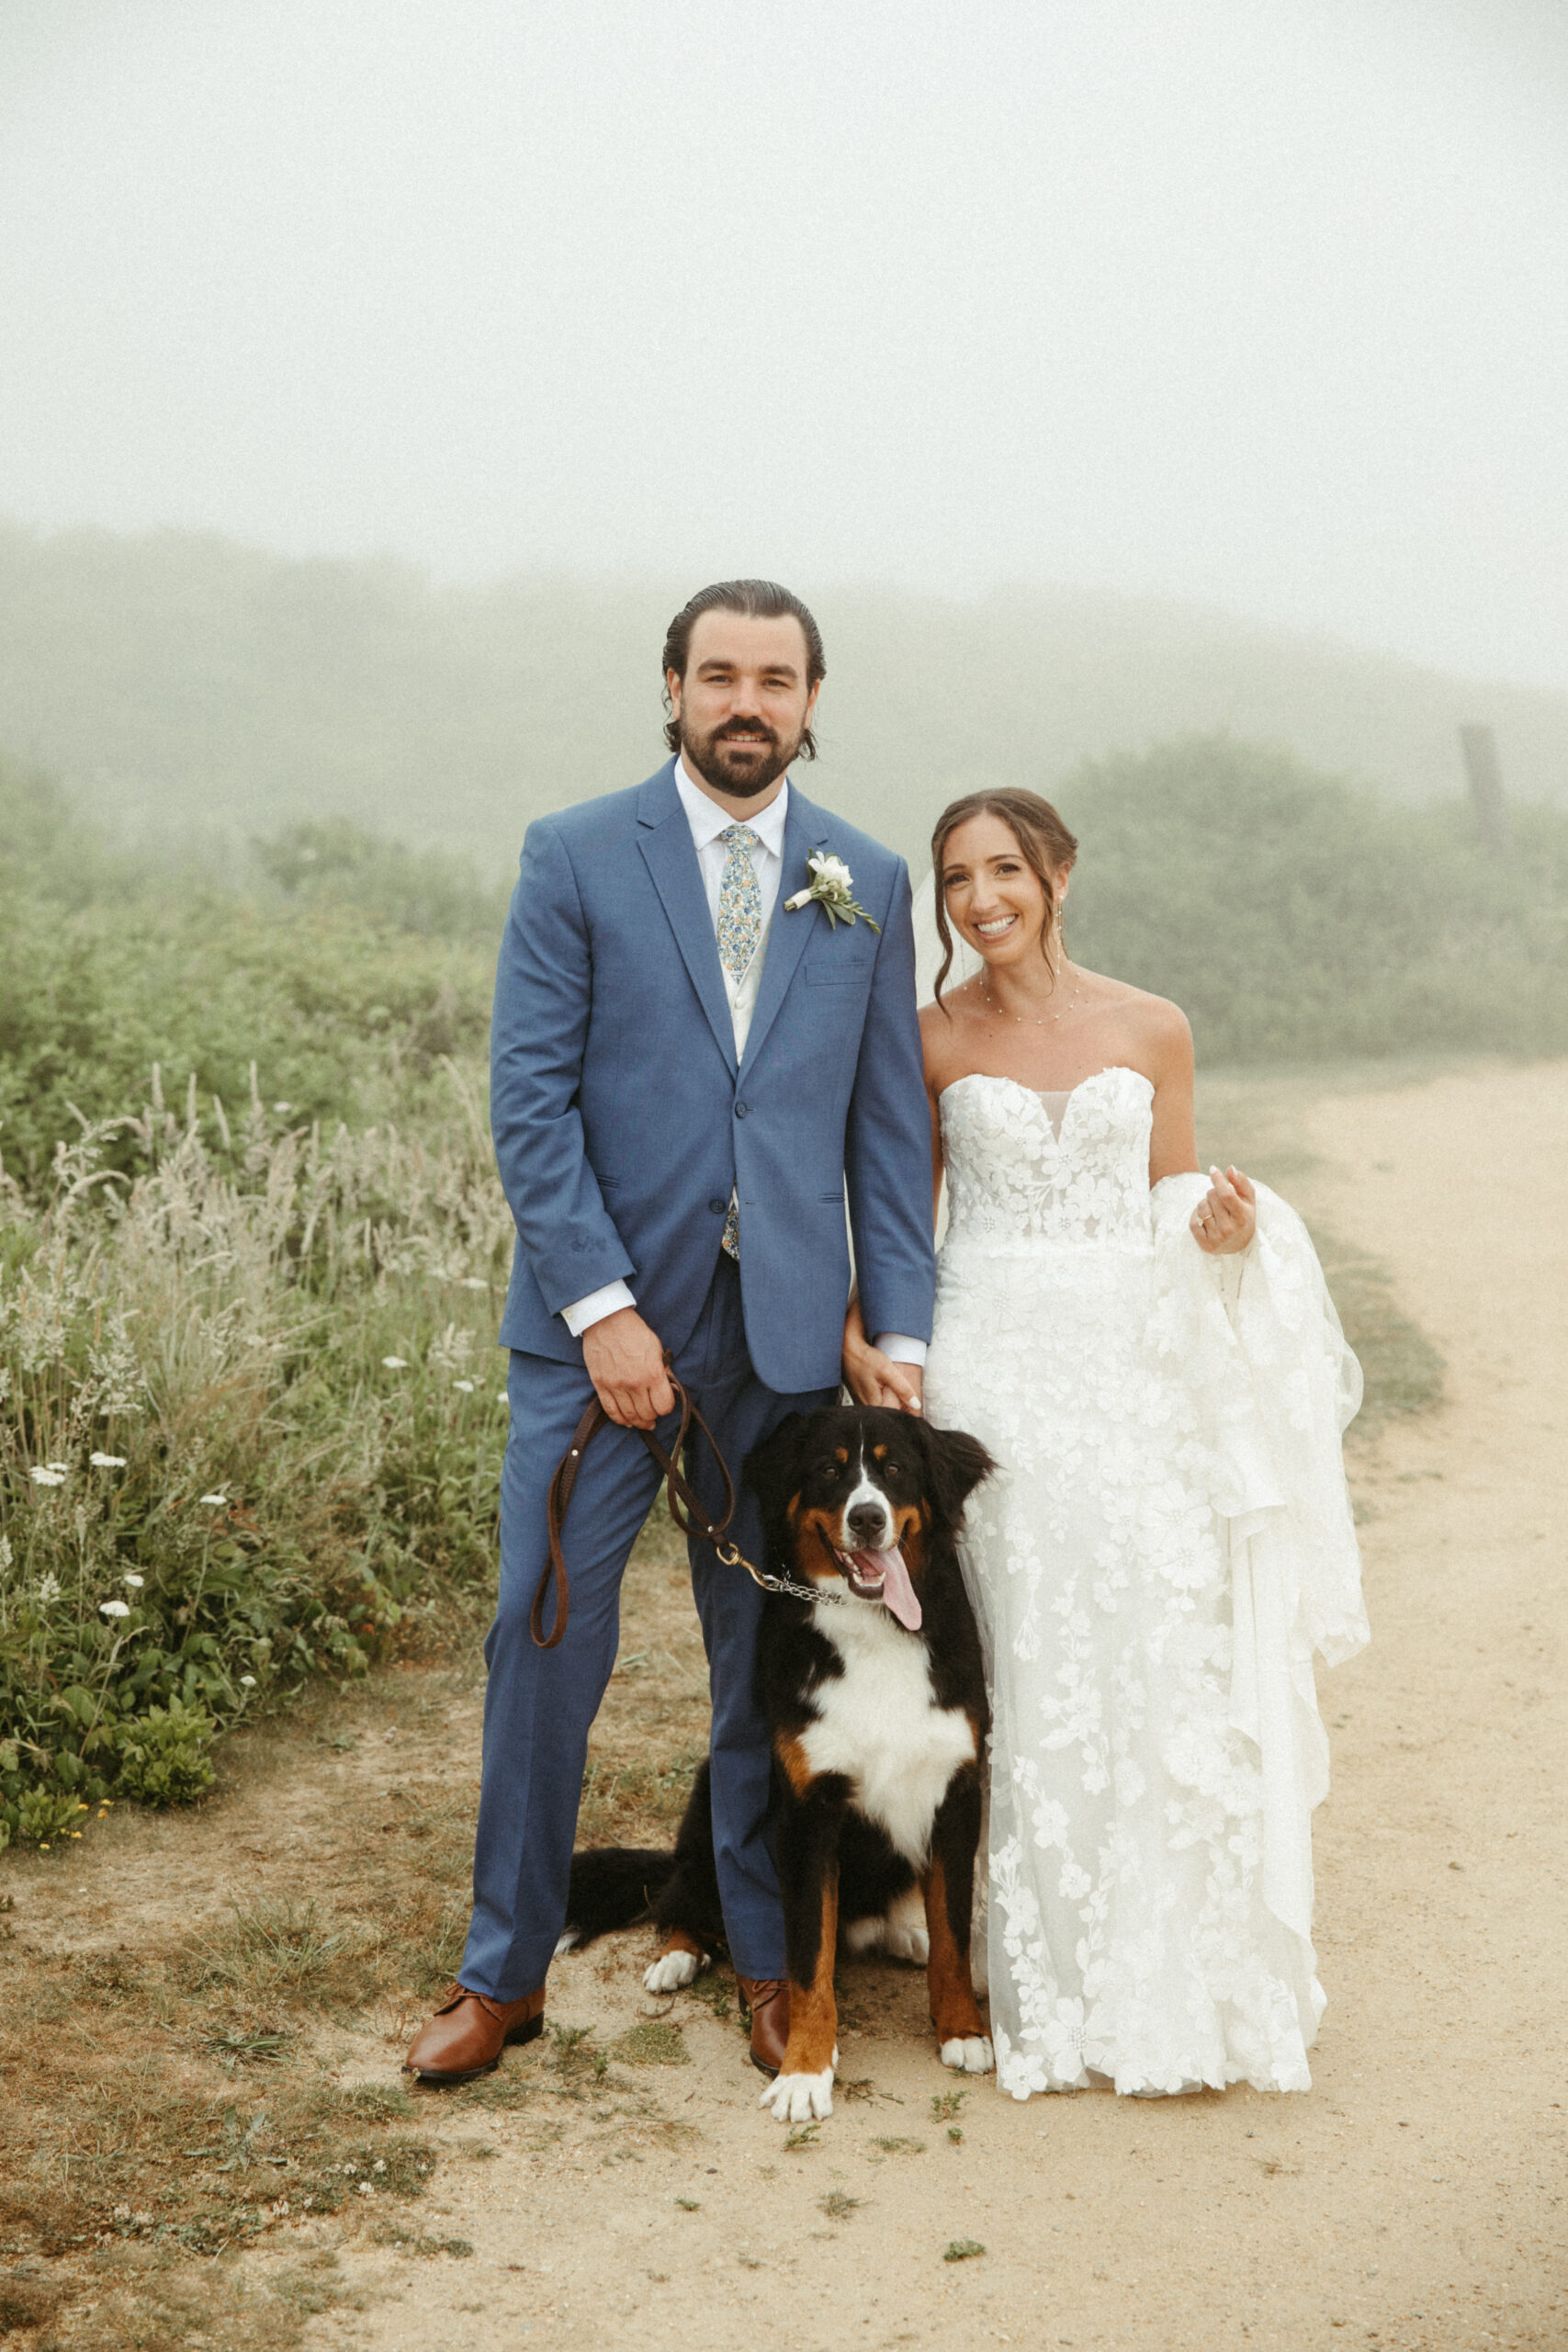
[771, 1469]
[957, 1463]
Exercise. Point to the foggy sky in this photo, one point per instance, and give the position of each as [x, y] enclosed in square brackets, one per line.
[1259, 303]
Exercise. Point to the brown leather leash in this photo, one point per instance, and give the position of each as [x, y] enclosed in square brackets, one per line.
[685, 1510]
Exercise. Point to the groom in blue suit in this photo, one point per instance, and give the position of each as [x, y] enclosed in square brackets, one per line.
[692, 1068]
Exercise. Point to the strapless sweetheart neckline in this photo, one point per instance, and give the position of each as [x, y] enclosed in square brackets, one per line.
[1044, 1094]
[1054, 1100]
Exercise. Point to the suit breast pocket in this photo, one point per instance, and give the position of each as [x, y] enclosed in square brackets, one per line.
[838, 971]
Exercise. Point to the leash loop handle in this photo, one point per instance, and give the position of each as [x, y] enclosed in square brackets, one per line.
[685, 1509]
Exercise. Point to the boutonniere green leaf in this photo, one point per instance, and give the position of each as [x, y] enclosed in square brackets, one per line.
[831, 886]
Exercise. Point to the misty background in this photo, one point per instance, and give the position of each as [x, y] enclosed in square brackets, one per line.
[379, 378]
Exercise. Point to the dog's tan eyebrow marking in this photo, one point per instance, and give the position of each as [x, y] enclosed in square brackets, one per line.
[793, 1506]
[840, 1454]
[879, 1453]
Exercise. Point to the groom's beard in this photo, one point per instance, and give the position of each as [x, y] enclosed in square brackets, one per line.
[740, 759]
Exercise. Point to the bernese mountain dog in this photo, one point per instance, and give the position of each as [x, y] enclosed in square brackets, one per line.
[871, 1681]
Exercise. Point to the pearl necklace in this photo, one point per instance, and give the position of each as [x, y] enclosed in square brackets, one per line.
[1034, 1020]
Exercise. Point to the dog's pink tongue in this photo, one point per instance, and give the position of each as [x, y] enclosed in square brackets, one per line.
[896, 1591]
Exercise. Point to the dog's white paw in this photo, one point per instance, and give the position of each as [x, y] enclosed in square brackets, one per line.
[912, 1944]
[971, 2055]
[672, 1970]
[800, 2098]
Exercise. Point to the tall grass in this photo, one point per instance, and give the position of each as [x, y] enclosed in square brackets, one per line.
[250, 1429]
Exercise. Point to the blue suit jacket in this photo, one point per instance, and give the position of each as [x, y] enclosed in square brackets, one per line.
[621, 1121]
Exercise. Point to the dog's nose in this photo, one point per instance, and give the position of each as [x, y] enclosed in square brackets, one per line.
[868, 1524]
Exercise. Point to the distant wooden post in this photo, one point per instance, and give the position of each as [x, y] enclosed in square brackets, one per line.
[1480, 747]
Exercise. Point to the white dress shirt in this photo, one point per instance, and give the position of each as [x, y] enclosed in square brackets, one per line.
[708, 822]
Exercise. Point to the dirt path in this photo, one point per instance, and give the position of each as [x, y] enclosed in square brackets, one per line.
[1413, 2199]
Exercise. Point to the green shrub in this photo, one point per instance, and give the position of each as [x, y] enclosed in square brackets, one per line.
[429, 892]
[163, 1756]
[1293, 918]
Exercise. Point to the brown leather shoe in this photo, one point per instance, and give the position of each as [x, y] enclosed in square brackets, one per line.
[467, 2037]
[767, 1999]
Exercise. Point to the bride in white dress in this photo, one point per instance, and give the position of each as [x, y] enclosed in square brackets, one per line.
[1156, 1364]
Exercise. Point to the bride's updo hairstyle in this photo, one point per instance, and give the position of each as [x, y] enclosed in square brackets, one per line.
[1044, 844]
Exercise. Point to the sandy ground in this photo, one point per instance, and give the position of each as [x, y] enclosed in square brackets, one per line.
[1412, 2199]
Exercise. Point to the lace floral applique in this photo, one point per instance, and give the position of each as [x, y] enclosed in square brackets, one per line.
[1137, 1397]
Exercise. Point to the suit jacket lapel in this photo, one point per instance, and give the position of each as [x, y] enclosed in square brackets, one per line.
[805, 829]
[665, 839]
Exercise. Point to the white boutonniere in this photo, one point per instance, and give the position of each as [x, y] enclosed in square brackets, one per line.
[831, 885]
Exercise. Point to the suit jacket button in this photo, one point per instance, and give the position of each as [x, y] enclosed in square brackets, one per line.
[719, 1207]
[740, 1110]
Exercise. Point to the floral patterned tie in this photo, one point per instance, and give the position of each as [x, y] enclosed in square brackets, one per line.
[740, 929]
[739, 902]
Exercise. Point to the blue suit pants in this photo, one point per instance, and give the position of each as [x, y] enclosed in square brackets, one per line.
[539, 1705]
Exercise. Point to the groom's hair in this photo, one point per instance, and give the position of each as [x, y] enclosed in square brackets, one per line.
[762, 600]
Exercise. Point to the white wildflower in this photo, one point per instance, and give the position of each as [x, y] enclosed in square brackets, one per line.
[281, 1107]
[466, 1386]
[49, 1588]
[219, 1502]
[247, 1682]
[45, 1474]
[5, 1553]
[131, 1578]
[114, 1609]
[395, 1363]
[106, 1461]
[60, 1467]
[450, 1349]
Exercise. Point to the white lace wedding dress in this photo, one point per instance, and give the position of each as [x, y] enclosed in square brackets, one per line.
[1166, 1541]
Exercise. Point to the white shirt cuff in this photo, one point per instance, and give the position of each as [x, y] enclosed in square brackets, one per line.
[898, 1350]
[597, 1304]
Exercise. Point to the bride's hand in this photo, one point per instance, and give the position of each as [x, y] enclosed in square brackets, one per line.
[872, 1378]
[1227, 1217]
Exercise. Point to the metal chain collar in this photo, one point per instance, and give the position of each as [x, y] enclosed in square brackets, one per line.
[736, 1559]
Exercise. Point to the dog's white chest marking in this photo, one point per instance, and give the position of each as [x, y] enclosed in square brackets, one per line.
[879, 1724]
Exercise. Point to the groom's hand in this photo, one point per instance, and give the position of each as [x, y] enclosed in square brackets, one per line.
[625, 1365]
